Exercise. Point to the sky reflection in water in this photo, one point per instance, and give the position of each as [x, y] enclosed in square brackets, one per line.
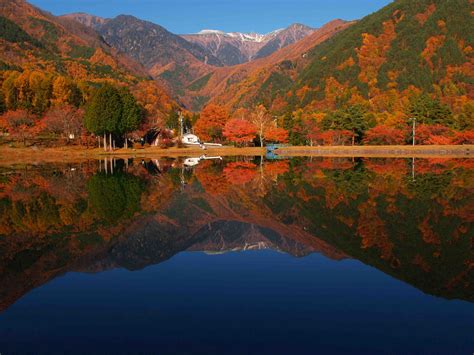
[342, 256]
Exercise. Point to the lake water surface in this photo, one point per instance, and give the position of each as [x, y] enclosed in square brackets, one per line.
[240, 255]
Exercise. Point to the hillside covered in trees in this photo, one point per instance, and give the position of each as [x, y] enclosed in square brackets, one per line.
[51, 68]
[410, 59]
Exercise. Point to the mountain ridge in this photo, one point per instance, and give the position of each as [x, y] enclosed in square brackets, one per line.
[234, 48]
[182, 62]
[39, 50]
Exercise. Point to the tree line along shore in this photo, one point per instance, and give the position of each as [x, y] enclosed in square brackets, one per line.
[112, 117]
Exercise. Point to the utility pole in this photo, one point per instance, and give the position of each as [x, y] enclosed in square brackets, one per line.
[181, 128]
[414, 128]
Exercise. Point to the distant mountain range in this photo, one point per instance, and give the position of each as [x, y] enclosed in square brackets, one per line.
[178, 61]
[404, 47]
[237, 48]
[218, 48]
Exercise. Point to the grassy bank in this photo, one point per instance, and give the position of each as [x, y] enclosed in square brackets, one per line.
[34, 155]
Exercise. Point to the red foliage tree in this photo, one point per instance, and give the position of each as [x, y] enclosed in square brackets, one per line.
[239, 131]
[466, 137]
[384, 135]
[313, 134]
[336, 137]
[440, 140]
[433, 134]
[20, 125]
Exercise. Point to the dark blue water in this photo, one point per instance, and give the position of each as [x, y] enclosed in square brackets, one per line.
[247, 302]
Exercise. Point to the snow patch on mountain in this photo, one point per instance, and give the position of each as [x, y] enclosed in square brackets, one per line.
[244, 37]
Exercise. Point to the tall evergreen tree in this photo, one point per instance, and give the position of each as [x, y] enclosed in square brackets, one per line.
[427, 110]
[172, 121]
[131, 114]
[353, 118]
[104, 113]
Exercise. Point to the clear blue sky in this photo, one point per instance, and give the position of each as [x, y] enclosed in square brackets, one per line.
[189, 16]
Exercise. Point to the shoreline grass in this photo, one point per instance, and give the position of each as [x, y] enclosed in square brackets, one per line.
[9, 155]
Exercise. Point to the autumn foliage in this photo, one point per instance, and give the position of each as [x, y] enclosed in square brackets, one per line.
[240, 173]
[433, 134]
[20, 125]
[64, 121]
[211, 123]
[277, 135]
[466, 137]
[239, 131]
[385, 135]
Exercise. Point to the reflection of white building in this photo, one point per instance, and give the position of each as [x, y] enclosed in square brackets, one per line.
[190, 162]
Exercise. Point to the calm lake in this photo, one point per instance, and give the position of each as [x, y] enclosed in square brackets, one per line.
[238, 255]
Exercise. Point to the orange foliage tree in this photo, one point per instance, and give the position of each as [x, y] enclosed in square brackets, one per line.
[466, 137]
[211, 122]
[155, 102]
[336, 137]
[239, 131]
[384, 135]
[266, 126]
[372, 54]
[276, 134]
[433, 134]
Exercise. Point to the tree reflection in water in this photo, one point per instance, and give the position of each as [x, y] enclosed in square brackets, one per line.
[92, 217]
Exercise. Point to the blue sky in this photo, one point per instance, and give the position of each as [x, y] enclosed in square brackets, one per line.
[189, 16]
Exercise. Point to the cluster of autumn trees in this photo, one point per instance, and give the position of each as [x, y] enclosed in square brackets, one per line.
[409, 60]
[36, 104]
[357, 123]
[242, 128]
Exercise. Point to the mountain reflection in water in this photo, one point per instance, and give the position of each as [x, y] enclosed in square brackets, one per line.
[415, 225]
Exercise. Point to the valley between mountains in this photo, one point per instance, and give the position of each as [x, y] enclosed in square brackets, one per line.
[343, 83]
[186, 63]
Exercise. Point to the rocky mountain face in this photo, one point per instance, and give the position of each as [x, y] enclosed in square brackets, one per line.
[34, 39]
[168, 58]
[242, 85]
[92, 21]
[184, 63]
[150, 43]
[237, 48]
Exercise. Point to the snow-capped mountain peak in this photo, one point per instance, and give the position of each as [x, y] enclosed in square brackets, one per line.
[239, 47]
[211, 32]
[244, 37]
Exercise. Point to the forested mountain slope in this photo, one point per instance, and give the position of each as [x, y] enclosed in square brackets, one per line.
[49, 61]
[408, 46]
